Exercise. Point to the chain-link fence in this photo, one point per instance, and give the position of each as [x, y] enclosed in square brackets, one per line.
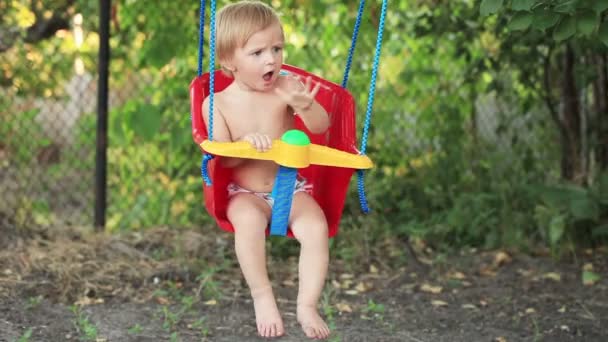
[47, 137]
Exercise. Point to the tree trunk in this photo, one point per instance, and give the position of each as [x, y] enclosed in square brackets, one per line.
[600, 99]
[572, 161]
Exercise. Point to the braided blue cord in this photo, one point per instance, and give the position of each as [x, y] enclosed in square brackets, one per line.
[204, 168]
[211, 68]
[351, 51]
[370, 103]
[208, 157]
[201, 37]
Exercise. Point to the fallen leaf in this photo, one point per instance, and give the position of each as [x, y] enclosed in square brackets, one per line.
[483, 303]
[553, 276]
[469, 306]
[530, 311]
[590, 278]
[346, 276]
[438, 303]
[162, 300]
[335, 284]
[500, 339]
[525, 273]
[363, 287]
[487, 272]
[501, 258]
[564, 328]
[456, 275]
[346, 283]
[89, 301]
[466, 284]
[289, 283]
[352, 292]
[211, 302]
[343, 307]
[373, 269]
[588, 267]
[430, 288]
[562, 309]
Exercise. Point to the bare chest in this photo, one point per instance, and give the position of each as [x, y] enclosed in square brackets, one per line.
[265, 116]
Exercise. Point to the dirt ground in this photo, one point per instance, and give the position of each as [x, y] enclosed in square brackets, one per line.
[176, 285]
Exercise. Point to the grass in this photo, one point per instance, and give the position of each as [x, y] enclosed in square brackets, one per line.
[86, 329]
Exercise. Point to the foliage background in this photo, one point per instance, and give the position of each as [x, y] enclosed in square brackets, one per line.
[472, 130]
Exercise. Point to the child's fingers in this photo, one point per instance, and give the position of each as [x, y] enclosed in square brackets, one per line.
[308, 84]
[267, 142]
[315, 90]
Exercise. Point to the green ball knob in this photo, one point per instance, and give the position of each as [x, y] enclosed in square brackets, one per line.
[295, 137]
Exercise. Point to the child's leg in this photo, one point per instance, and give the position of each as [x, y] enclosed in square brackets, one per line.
[249, 215]
[309, 226]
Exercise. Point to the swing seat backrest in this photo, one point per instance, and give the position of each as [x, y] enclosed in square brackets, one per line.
[330, 184]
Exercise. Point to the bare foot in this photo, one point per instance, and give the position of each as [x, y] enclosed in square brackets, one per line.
[312, 324]
[267, 315]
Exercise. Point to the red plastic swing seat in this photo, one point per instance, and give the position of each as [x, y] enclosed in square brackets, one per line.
[330, 184]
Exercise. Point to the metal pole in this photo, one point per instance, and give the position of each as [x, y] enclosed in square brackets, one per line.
[102, 115]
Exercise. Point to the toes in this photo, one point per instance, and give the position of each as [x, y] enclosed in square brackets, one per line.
[273, 330]
[310, 332]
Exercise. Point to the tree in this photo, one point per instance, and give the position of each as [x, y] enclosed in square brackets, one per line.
[576, 36]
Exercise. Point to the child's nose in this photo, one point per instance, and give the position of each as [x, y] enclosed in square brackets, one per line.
[271, 58]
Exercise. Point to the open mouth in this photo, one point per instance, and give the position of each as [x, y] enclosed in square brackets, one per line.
[268, 76]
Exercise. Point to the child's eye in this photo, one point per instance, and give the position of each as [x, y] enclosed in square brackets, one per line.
[277, 48]
[257, 53]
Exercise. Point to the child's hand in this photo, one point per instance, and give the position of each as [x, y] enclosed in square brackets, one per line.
[299, 96]
[261, 142]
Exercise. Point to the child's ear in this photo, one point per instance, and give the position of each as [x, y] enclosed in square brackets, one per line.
[228, 65]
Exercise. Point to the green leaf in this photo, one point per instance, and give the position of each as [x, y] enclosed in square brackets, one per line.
[584, 209]
[590, 278]
[565, 29]
[557, 226]
[603, 186]
[521, 21]
[490, 7]
[586, 22]
[600, 231]
[600, 5]
[603, 33]
[522, 5]
[567, 7]
[147, 121]
[544, 19]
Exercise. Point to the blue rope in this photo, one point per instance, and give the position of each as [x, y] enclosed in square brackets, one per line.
[370, 103]
[351, 51]
[208, 157]
[201, 37]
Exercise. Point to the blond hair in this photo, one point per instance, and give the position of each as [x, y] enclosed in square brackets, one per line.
[237, 22]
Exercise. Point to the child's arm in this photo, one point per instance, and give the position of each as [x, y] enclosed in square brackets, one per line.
[301, 97]
[221, 132]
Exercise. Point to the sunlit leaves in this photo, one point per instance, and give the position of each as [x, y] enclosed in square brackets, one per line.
[561, 20]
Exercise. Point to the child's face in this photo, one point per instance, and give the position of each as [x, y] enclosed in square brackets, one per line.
[259, 61]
